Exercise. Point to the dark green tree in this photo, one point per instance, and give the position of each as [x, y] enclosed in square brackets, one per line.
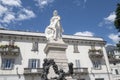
[117, 21]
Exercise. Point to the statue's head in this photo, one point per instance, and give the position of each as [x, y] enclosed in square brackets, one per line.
[45, 60]
[51, 61]
[55, 13]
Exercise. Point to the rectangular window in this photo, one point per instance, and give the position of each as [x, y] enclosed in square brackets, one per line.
[116, 71]
[11, 42]
[77, 62]
[76, 48]
[34, 63]
[35, 46]
[7, 63]
[93, 47]
[97, 64]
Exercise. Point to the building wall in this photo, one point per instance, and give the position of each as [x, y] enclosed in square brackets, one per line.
[25, 42]
[114, 59]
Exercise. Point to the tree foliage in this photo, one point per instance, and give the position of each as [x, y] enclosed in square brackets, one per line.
[117, 22]
[117, 19]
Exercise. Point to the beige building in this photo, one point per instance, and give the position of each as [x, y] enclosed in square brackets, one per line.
[22, 54]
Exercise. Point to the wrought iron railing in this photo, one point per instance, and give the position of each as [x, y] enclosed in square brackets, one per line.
[33, 71]
[93, 53]
[80, 70]
[113, 58]
[9, 50]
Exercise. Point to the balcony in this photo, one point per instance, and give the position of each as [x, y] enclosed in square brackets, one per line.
[113, 58]
[80, 71]
[9, 50]
[36, 71]
[93, 53]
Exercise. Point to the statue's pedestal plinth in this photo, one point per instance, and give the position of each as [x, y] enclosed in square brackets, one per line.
[57, 52]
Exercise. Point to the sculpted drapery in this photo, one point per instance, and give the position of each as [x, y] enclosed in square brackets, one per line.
[54, 30]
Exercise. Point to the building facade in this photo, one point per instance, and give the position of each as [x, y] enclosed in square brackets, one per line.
[114, 60]
[22, 54]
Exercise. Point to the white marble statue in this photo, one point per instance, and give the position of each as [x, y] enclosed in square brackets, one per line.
[54, 30]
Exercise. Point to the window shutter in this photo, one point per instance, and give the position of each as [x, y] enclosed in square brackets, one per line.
[29, 63]
[3, 64]
[77, 63]
[76, 48]
[12, 64]
[38, 63]
[35, 46]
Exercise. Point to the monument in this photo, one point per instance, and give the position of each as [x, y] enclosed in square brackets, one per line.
[61, 75]
[56, 48]
[54, 30]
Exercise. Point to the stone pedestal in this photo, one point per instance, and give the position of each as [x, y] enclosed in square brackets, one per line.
[57, 51]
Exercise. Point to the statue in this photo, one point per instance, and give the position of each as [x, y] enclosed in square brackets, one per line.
[61, 75]
[54, 30]
[70, 65]
[46, 66]
[60, 72]
[55, 67]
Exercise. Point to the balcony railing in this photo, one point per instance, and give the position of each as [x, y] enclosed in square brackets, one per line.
[80, 71]
[36, 71]
[9, 50]
[113, 58]
[93, 53]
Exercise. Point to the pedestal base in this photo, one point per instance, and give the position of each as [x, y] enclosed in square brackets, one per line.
[57, 52]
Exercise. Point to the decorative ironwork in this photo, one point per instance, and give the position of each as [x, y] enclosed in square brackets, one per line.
[93, 53]
[113, 58]
[9, 50]
[77, 72]
[80, 70]
[33, 71]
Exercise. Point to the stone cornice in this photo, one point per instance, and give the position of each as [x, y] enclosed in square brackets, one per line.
[70, 39]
